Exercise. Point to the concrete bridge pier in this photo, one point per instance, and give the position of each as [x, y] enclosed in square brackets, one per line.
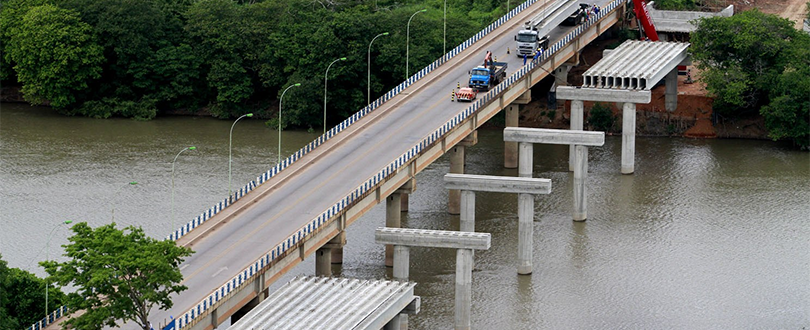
[393, 219]
[510, 152]
[671, 91]
[580, 177]
[336, 244]
[402, 257]
[464, 266]
[525, 212]
[457, 160]
[628, 137]
[577, 124]
[323, 262]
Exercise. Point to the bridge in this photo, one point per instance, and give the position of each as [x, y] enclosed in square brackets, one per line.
[302, 205]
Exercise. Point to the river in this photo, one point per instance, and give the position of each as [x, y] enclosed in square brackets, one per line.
[707, 234]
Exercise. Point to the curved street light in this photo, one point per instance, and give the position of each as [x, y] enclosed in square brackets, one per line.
[115, 195]
[279, 118]
[230, 145]
[325, 76]
[368, 95]
[48, 258]
[175, 159]
[408, 40]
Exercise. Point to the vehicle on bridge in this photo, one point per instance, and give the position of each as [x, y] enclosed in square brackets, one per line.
[579, 16]
[466, 94]
[529, 41]
[484, 77]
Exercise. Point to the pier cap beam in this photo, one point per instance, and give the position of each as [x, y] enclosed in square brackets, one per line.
[603, 94]
[491, 183]
[553, 136]
[433, 238]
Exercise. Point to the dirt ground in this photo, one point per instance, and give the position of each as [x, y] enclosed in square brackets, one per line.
[693, 116]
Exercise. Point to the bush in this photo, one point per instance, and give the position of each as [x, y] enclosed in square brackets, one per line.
[601, 117]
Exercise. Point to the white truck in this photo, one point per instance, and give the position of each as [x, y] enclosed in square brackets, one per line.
[534, 33]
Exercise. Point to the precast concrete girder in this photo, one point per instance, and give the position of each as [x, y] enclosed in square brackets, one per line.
[553, 136]
[603, 94]
[635, 65]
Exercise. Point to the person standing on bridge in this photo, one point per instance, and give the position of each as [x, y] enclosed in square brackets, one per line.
[538, 53]
[524, 59]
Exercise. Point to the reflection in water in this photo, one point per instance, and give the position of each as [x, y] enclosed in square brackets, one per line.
[707, 234]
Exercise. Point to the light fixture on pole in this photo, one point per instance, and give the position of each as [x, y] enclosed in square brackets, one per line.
[444, 36]
[115, 195]
[408, 40]
[230, 145]
[48, 258]
[279, 118]
[325, 76]
[368, 95]
[175, 159]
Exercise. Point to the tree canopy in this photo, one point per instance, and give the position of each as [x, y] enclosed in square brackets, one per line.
[118, 274]
[137, 58]
[22, 297]
[757, 63]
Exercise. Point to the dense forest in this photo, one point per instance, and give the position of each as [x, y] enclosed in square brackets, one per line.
[141, 58]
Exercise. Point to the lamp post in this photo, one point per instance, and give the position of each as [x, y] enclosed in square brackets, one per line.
[444, 37]
[368, 96]
[115, 195]
[408, 40]
[279, 118]
[175, 159]
[230, 145]
[325, 76]
[48, 258]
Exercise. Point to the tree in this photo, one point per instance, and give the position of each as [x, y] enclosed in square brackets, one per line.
[118, 274]
[28, 292]
[55, 55]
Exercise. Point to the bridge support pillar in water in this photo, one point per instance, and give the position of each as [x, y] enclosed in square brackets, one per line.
[457, 159]
[402, 239]
[580, 176]
[525, 213]
[336, 245]
[577, 123]
[323, 262]
[628, 137]
[510, 153]
[393, 219]
[671, 90]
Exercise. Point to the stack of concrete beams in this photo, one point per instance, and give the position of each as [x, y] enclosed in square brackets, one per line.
[635, 65]
[681, 21]
[309, 302]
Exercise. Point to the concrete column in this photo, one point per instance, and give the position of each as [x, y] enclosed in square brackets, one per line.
[457, 167]
[464, 266]
[392, 219]
[336, 244]
[467, 218]
[404, 204]
[671, 92]
[401, 272]
[510, 154]
[526, 160]
[628, 137]
[561, 75]
[394, 323]
[323, 262]
[580, 190]
[525, 229]
[577, 114]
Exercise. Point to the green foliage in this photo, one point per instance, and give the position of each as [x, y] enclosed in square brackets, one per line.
[676, 4]
[757, 63]
[55, 55]
[22, 297]
[236, 57]
[118, 275]
[601, 117]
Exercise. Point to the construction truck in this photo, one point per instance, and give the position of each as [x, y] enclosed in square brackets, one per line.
[529, 41]
[533, 36]
[486, 76]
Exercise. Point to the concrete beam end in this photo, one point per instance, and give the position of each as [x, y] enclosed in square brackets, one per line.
[603, 94]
